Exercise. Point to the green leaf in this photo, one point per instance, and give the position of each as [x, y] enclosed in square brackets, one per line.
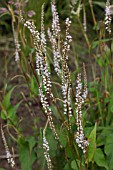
[5, 13]
[27, 158]
[33, 87]
[6, 101]
[59, 159]
[67, 167]
[52, 143]
[100, 160]
[101, 139]
[63, 137]
[74, 165]
[73, 75]
[40, 152]
[109, 150]
[96, 43]
[92, 144]
[101, 4]
[31, 140]
[55, 112]
[11, 113]
[87, 131]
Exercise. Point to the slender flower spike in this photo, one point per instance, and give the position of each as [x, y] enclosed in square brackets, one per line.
[46, 153]
[48, 112]
[108, 18]
[54, 37]
[66, 90]
[8, 154]
[39, 41]
[43, 39]
[55, 23]
[46, 148]
[80, 138]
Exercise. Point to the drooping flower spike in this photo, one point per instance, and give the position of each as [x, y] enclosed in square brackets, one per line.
[8, 154]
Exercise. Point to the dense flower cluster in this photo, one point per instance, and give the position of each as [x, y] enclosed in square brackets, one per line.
[41, 58]
[55, 22]
[55, 38]
[80, 138]
[68, 39]
[48, 111]
[46, 153]
[108, 18]
[40, 46]
[8, 154]
[32, 28]
[43, 37]
[66, 90]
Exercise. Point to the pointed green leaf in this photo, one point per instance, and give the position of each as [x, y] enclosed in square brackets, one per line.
[26, 158]
[6, 101]
[63, 137]
[31, 140]
[74, 165]
[52, 143]
[100, 160]
[12, 113]
[67, 167]
[109, 150]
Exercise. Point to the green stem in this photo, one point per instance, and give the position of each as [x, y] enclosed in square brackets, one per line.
[85, 35]
[92, 12]
[99, 107]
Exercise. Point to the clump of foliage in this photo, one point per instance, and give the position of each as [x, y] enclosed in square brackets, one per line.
[78, 130]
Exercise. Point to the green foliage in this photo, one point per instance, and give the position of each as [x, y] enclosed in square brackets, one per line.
[109, 150]
[40, 152]
[92, 145]
[26, 152]
[99, 159]
[8, 111]
[63, 137]
[6, 101]
[95, 49]
[74, 165]
[52, 144]
[67, 167]
[33, 87]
